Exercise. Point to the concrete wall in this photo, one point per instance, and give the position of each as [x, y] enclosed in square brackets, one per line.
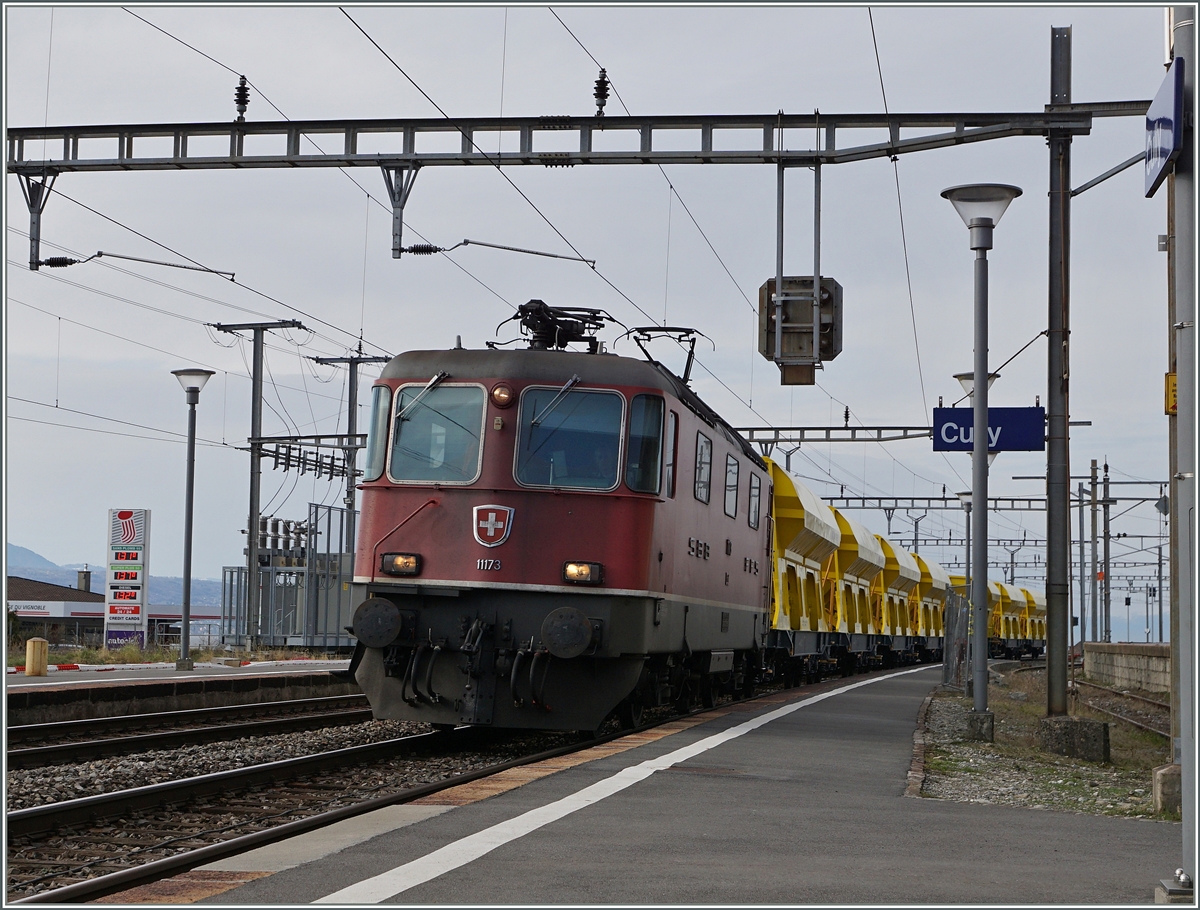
[1128, 665]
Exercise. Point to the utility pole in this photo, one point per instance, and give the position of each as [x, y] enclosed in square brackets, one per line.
[1058, 462]
[1160, 595]
[1082, 574]
[1184, 500]
[350, 452]
[1107, 587]
[1095, 565]
[253, 587]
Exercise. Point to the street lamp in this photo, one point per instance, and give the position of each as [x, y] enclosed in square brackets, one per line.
[192, 382]
[980, 206]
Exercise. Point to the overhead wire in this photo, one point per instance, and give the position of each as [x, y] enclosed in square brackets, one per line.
[69, 426]
[495, 163]
[127, 423]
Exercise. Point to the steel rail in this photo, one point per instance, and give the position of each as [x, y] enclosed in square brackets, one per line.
[1128, 720]
[86, 750]
[123, 722]
[87, 809]
[1149, 701]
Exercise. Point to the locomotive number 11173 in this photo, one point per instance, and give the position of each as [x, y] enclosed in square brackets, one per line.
[487, 565]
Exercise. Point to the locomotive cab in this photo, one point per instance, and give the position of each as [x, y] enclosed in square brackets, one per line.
[540, 541]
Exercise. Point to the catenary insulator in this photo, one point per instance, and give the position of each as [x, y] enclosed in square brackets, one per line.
[601, 93]
[423, 249]
[59, 262]
[241, 97]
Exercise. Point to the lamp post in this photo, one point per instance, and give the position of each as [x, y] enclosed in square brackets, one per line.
[192, 382]
[980, 206]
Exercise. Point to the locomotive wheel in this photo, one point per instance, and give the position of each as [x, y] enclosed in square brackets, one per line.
[631, 713]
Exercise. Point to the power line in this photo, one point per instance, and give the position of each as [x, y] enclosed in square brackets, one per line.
[127, 423]
[233, 281]
[69, 426]
[135, 303]
[314, 144]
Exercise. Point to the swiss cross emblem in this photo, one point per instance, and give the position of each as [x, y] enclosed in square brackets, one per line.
[492, 524]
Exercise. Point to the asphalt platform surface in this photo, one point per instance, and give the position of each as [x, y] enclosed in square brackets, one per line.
[808, 807]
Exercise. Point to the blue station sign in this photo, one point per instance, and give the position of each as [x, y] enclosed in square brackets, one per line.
[1009, 429]
[1164, 128]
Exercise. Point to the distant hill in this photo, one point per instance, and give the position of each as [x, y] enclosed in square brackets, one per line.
[19, 556]
[164, 589]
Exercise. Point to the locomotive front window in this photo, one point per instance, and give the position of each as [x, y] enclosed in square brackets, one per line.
[731, 486]
[645, 443]
[703, 467]
[381, 402]
[569, 440]
[437, 440]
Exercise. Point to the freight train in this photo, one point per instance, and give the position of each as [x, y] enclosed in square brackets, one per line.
[550, 536]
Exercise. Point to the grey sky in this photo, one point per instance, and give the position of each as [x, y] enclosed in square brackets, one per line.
[299, 237]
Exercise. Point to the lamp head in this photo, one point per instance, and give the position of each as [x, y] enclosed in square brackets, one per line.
[981, 206]
[192, 378]
[965, 498]
[967, 381]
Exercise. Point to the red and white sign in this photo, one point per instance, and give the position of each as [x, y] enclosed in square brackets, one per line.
[492, 524]
[128, 560]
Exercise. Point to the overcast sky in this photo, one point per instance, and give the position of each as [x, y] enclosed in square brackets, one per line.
[313, 240]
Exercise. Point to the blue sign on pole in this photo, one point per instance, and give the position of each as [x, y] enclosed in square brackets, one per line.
[1164, 127]
[1009, 429]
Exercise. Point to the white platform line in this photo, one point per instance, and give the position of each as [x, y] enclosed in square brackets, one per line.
[460, 852]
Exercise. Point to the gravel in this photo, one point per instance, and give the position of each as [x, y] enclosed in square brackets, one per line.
[1007, 775]
[37, 786]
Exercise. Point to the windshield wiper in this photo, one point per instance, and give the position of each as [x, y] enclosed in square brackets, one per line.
[557, 400]
[429, 387]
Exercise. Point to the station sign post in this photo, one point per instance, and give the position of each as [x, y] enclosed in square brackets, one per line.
[127, 579]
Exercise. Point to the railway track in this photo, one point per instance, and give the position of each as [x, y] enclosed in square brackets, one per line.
[84, 848]
[37, 745]
[1127, 708]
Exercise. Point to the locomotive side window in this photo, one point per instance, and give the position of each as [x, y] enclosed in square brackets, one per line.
[703, 467]
[569, 440]
[755, 500]
[381, 403]
[645, 443]
[672, 447]
[731, 486]
[437, 439]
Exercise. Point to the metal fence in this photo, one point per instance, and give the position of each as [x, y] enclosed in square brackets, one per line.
[304, 604]
[956, 623]
[329, 573]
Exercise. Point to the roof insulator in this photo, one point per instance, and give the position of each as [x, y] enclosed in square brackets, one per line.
[241, 97]
[601, 93]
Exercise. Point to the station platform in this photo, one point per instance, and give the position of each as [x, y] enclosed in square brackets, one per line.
[798, 798]
[141, 689]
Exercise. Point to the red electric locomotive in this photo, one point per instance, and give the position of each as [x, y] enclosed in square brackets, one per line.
[550, 535]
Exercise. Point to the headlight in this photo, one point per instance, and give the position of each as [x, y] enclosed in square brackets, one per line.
[401, 564]
[502, 395]
[583, 573]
